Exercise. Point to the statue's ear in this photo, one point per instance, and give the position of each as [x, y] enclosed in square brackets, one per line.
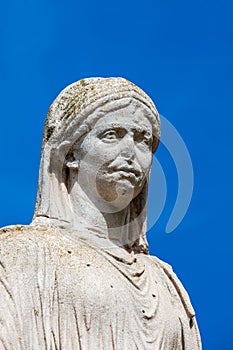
[73, 164]
[72, 159]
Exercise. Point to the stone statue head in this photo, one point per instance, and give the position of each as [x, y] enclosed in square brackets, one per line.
[99, 138]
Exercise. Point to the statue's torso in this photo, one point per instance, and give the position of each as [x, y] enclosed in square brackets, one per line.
[58, 293]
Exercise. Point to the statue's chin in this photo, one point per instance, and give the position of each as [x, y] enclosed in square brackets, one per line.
[115, 196]
[124, 188]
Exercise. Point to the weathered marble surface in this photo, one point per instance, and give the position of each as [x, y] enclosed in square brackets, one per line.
[80, 276]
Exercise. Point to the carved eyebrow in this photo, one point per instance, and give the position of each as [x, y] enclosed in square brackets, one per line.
[142, 131]
[115, 126]
[109, 127]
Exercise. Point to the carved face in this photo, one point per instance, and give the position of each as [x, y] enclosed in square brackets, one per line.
[116, 156]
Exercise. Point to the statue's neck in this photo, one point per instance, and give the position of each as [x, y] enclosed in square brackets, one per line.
[111, 222]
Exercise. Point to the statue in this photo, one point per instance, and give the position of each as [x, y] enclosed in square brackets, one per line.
[80, 275]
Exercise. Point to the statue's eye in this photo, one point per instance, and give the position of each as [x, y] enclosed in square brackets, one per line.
[112, 135]
[109, 135]
[143, 138]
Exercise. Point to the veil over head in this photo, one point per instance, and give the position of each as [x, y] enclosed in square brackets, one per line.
[70, 117]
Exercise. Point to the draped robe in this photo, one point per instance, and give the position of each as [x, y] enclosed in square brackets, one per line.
[57, 292]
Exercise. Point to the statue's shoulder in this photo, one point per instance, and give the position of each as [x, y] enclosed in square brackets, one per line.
[161, 264]
[167, 270]
[172, 277]
[13, 232]
[28, 238]
[18, 239]
[21, 233]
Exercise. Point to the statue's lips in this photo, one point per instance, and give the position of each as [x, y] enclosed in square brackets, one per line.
[126, 172]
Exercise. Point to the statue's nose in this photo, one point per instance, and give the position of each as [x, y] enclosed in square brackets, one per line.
[128, 148]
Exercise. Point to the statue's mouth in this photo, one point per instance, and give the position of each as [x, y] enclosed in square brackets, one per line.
[126, 171]
[123, 173]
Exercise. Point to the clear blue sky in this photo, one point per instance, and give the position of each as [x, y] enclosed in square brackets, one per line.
[181, 53]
